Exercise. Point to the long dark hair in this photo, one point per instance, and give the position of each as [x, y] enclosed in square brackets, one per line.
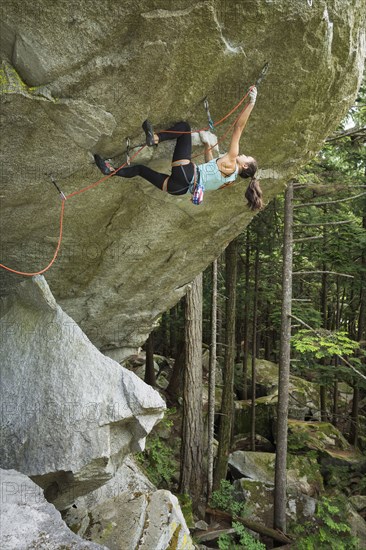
[253, 194]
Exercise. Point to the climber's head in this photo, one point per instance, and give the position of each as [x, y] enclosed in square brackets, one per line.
[247, 169]
[247, 166]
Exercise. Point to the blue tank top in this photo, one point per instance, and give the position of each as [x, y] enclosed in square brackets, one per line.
[212, 178]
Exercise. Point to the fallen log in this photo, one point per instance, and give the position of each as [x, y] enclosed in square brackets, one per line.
[252, 525]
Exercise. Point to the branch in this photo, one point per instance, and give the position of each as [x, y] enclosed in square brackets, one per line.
[346, 133]
[329, 202]
[252, 525]
[307, 239]
[324, 184]
[340, 356]
[327, 272]
[321, 223]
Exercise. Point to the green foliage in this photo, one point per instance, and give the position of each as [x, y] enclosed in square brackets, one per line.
[185, 503]
[157, 459]
[298, 441]
[224, 499]
[245, 540]
[324, 344]
[329, 528]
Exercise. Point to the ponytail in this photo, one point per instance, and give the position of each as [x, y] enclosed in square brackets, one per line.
[253, 194]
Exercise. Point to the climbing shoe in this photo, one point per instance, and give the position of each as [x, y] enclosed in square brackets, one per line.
[104, 166]
[149, 132]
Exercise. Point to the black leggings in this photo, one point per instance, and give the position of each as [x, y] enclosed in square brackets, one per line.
[178, 182]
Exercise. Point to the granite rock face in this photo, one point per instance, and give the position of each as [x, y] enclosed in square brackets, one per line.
[143, 521]
[129, 512]
[79, 80]
[70, 415]
[29, 521]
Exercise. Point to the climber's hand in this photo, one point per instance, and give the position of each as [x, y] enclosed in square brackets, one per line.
[205, 137]
[253, 95]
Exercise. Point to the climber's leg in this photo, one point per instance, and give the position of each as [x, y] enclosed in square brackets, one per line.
[161, 181]
[183, 148]
[156, 178]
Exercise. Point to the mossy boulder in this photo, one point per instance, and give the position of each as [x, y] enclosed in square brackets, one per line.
[304, 395]
[140, 521]
[259, 498]
[303, 473]
[322, 437]
[265, 411]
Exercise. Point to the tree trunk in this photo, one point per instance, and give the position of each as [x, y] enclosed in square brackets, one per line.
[191, 480]
[175, 386]
[149, 368]
[227, 404]
[324, 310]
[284, 369]
[354, 415]
[246, 318]
[361, 338]
[173, 331]
[165, 334]
[212, 383]
[254, 345]
[323, 400]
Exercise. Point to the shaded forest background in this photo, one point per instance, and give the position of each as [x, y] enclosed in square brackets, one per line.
[328, 311]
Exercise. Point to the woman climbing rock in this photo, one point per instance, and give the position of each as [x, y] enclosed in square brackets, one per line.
[186, 176]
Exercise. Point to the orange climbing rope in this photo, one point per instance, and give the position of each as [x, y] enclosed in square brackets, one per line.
[54, 256]
[95, 184]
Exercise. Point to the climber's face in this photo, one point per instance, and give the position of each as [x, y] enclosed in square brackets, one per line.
[243, 161]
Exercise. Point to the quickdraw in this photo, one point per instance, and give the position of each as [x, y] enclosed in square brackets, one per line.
[62, 195]
[198, 188]
[209, 118]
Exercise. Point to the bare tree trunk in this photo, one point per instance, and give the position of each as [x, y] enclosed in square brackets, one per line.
[324, 309]
[254, 345]
[227, 405]
[323, 400]
[150, 377]
[336, 361]
[175, 386]
[354, 415]
[191, 479]
[246, 318]
[284, 369]
[165, 334]
[212, 382]
[173, 331]
[354, 432]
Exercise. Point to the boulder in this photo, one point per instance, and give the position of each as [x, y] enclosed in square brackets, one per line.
[359, 503]
[259, 498]
[127, 479]
[243, 442]
[265, 411]
[29, 521]
[128, 250]
[303, 395]
[140, 520]
[358, 526]
[322, 437]
[70, 414]
[303, 474]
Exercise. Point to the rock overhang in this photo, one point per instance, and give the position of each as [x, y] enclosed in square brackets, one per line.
[129, 251]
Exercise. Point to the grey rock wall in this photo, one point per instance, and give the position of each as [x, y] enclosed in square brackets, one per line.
[70, 415]
[80, 79]
[29, 521]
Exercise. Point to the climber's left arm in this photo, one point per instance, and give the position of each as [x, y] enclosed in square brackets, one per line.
[207, 146]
